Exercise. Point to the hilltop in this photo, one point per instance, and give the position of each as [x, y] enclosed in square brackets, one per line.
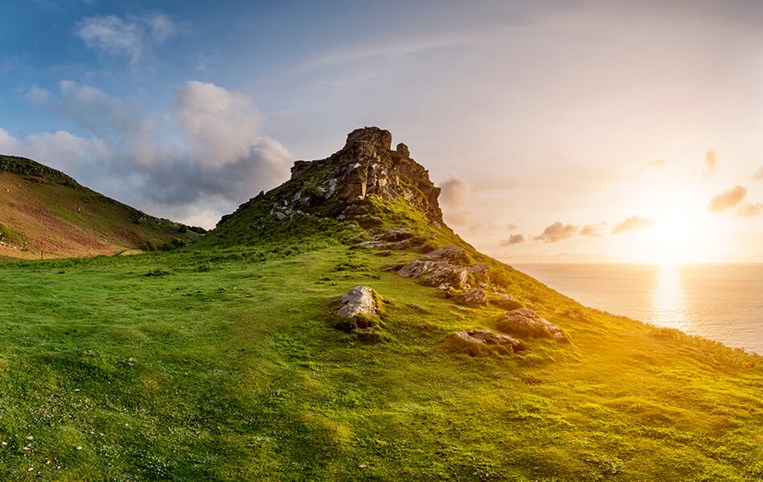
[245, 356]
[46, 213]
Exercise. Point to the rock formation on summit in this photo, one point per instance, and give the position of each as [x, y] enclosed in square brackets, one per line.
[337, 186]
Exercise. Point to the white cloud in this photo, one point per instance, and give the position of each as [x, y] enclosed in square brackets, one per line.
[37, 95]
[220, 125]
[131, 37]
[161, 27]
[60, 150]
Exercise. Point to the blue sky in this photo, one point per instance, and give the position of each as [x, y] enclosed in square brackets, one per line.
[558, 129]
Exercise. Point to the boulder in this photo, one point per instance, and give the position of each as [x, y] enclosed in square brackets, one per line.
[524, 322]
[403, 150]
[481, 274]
[359, 301]
[450, 254]
[482, 342]
[398, 233]
[446, 266]
[436, 273]
[472, 297]
[487, 337]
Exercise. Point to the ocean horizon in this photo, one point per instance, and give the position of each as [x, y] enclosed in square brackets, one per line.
[722, 302]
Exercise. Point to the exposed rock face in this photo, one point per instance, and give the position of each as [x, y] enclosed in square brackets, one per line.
[358, 301]
[482, 342]
[524, 322]
[473, 297]
[396, 238]
[338, 185]
[446, 267]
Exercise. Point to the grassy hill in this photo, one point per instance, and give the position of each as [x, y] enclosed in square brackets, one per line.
[44, 212]
[222, 361]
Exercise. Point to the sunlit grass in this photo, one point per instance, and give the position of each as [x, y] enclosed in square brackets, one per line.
[221, 366]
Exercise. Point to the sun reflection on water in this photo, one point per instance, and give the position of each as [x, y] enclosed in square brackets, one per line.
[669, 300]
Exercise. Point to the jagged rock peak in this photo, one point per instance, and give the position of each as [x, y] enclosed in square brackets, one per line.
[369, 138]
[367, 165]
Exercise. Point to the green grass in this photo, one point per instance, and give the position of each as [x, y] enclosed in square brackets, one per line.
[223, 367]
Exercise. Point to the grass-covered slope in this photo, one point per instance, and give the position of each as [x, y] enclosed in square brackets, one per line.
[221, 361]
[45, 212]
[221, 365]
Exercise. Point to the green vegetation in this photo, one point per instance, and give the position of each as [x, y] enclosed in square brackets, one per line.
[225, 360]
[221, 365]
[44, 210]
[11, 236]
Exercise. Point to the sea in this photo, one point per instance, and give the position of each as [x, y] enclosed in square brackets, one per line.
[723, 302]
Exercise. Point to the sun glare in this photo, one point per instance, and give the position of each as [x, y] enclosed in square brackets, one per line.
[681, 233]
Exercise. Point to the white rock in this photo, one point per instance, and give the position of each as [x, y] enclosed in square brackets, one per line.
[359, 300]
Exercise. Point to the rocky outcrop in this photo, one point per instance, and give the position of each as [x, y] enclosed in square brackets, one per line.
[472, 297]
[339, 186]
[359, 301]
[523, 322]
[446, 268]
[367, 165]
[482, 342]
[396, 238]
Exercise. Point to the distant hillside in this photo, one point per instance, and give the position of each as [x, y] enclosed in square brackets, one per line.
[44, 212]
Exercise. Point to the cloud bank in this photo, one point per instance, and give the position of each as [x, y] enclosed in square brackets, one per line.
[205, 154]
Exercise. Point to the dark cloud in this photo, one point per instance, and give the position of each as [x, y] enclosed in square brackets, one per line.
[512, 227]
[748, 210]
[557, 232]
[710, 163]
[594, 230]
[513, 239]
[727, 199]
[633, 223]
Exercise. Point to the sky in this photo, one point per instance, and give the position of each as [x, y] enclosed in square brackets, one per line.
[560, 131]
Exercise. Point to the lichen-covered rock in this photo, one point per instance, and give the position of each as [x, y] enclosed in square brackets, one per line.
[472, 297]
[446, 266]
[359, 301]
[482, 342]
[481, 274]
[523, 322]
[436, 273]
[450, 254]
[365, 165]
